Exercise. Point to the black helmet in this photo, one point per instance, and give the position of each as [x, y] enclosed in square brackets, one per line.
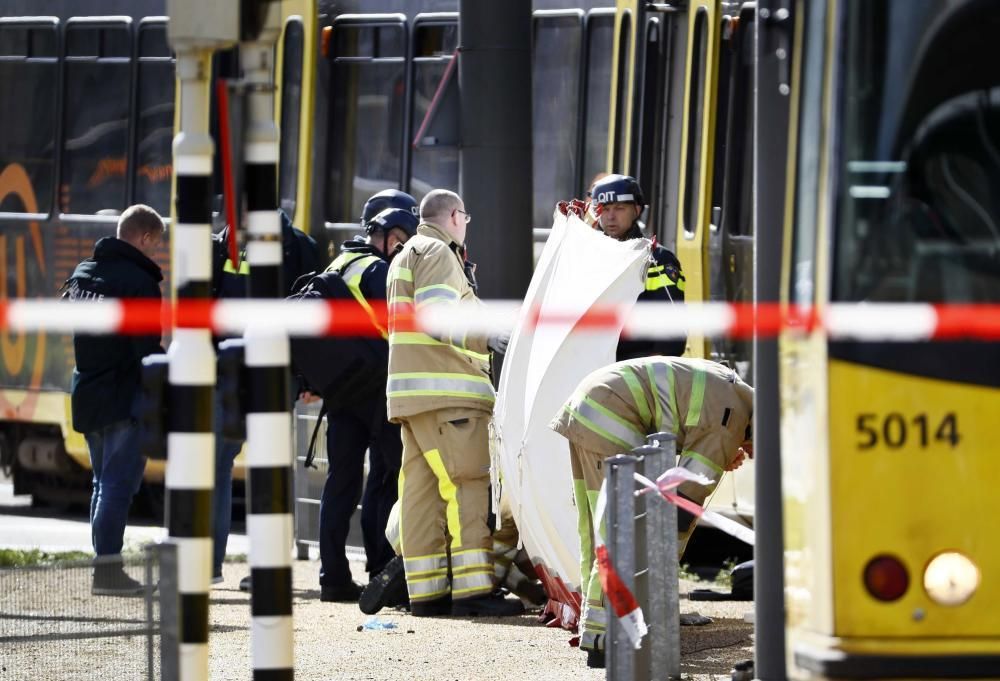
[617, 189]
[393, 217]
[387, 198]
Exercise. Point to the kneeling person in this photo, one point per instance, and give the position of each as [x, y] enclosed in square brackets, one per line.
[706, 405]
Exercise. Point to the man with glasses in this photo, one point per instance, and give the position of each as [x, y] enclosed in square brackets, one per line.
[439, 390]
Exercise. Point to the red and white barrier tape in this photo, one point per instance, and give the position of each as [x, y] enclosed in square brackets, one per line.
[842, 321]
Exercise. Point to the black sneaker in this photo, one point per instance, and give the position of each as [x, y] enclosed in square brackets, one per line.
[438, 607]
[387, 588]
[245, 583]
[486, 606]
[347, 592]
[112, 580]
[596, 659]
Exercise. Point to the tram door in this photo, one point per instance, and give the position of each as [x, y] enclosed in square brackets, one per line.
[888, 452]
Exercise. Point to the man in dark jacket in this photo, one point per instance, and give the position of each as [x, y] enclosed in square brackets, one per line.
[363, 264]
[106, 383]
[299, 255]
[619, 202]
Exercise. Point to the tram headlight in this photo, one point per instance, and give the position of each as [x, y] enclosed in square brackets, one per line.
[951, 578]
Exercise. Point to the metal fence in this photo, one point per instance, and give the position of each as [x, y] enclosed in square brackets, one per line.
[642, 542]
[53, 627]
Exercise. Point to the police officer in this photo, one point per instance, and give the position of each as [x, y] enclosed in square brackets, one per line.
[706, 405]
[106, 383]
[389, 220]
[299, 255]
[439, 390]
[618, 201]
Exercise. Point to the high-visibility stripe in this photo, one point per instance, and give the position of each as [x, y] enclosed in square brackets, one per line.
[637, 395]
[470, 558]
[401, 274]
[583, 529]
[449, 493]
[697, 399]
[425, 590]
[401, 300]
[654, 270]
[422, 564]
[471, 583]
[435, 293]
[662, 376]
[418, 338]
[658, 282]
[443, 385]
[693, 461]
[606, 424]
[345, 263]
[230, 268]
[398, 544]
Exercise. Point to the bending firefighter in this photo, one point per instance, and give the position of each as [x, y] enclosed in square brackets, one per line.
[439, 390]
[706, 405]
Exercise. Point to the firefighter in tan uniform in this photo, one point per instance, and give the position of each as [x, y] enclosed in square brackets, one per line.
[706, 405]
[439, 390]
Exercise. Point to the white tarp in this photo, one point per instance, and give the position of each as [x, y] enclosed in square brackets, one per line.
[579, 268]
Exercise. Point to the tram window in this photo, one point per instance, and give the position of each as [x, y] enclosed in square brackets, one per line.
[434, 160]
[558, 41]
[29, 72]
[622, 101]
[695, 119]
[96, 118]
[918, 215]
[368, 81]
[600, 43]
[644, 140]
[291, 109]
[155, 119]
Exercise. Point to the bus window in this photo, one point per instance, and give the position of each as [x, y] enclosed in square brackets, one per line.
[366, 115]
[29, 72]
[95, 116]
[558, 41]
[155, 118]
[600, 43]
[622, 101]
[918, 209]
[695, 122]
[435, 157]
[291, 109]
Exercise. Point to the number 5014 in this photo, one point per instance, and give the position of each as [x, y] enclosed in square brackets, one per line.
[895, 430]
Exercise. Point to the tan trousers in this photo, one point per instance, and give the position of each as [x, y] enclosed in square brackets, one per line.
[444, 501]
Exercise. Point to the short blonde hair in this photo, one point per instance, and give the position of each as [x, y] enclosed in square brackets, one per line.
[138, 220]
[438, 203]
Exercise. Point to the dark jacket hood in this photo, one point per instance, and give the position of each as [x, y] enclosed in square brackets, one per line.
[111, 247]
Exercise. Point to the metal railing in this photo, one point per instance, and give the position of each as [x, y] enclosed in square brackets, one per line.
[642, 541]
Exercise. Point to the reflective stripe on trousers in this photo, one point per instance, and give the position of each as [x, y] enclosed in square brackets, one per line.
[427, 577]
[471, 573]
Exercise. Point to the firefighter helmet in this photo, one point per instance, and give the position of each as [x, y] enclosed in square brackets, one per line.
[387, 198]
[393, 217]
[617, 189]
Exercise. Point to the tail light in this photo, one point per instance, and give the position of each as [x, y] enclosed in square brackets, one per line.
[886, 578]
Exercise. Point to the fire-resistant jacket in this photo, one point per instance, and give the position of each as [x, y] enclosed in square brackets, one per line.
[427, 373]
[705, 404]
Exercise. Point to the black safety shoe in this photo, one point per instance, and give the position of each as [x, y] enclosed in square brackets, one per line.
[112, 580]
[486, 606]
[595, 659]
[245, 583]
[348, 592]
[387, 588]
[438, 607]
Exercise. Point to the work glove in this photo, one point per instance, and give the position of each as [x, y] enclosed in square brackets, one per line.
[498, 342]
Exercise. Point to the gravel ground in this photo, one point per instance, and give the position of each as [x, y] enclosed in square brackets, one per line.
[328, 644]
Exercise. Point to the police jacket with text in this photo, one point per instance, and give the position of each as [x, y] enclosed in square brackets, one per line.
[426, 372]
[107, 374]
[664, 283]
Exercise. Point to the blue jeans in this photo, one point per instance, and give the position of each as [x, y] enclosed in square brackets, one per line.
[118, 466]
[222, 500]
[349, 433]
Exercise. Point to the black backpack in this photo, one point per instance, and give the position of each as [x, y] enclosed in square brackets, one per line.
[343, 370]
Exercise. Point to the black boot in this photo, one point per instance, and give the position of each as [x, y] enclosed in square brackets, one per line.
[438, 607]
[387, 588]
[489, 605]
[595, 659]
[348, 592]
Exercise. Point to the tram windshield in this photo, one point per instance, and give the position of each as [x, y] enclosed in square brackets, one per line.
[918, 186]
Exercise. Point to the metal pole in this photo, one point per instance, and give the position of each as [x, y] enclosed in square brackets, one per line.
[269, 423]
[494, 72]
[773, 48]
[664, 589]
[620, 525]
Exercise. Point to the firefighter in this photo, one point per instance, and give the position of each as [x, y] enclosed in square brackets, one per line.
[705, 404]
[363, 264]
[439, 390]
[618, 202]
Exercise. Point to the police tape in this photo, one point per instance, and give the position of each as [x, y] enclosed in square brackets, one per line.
[839, 321]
